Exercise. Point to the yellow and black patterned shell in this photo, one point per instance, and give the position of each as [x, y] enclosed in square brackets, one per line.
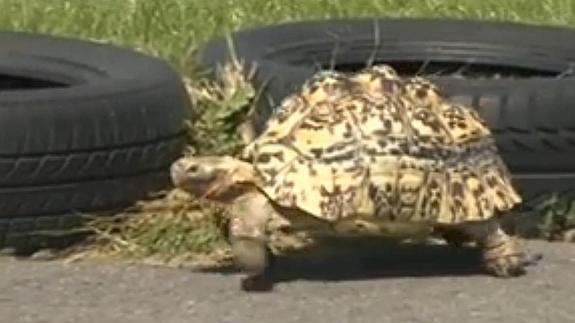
[372, 144]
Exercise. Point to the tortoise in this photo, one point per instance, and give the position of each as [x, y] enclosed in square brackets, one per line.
[363, 153]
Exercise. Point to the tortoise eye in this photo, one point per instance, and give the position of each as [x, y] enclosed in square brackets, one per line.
[193, 168]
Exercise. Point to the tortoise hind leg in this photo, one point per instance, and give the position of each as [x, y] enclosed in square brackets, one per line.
[502, 254]
[248, 237]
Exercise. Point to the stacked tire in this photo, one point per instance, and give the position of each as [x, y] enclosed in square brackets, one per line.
[84, 127]
[519, 77]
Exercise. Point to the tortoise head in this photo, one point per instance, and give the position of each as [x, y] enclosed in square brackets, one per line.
[215, 178]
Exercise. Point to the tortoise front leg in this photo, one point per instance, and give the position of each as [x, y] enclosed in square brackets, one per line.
[250, 214]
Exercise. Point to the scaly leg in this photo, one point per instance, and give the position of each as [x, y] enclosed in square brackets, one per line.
[502, 254]
[250, 214]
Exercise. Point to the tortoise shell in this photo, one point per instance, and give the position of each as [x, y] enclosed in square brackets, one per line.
[374, 145]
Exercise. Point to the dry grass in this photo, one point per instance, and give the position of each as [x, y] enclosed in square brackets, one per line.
[171, 227]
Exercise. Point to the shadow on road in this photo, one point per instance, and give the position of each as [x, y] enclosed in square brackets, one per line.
[385, 262]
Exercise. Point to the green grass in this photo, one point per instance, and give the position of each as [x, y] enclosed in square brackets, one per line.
[173, 30]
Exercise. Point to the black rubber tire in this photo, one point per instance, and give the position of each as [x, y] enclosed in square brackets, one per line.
[85, 127]
[533, 118]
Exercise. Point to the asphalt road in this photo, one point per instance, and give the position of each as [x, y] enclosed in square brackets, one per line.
[430, 284]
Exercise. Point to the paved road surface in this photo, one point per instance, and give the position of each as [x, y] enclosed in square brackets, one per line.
[423, 285]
